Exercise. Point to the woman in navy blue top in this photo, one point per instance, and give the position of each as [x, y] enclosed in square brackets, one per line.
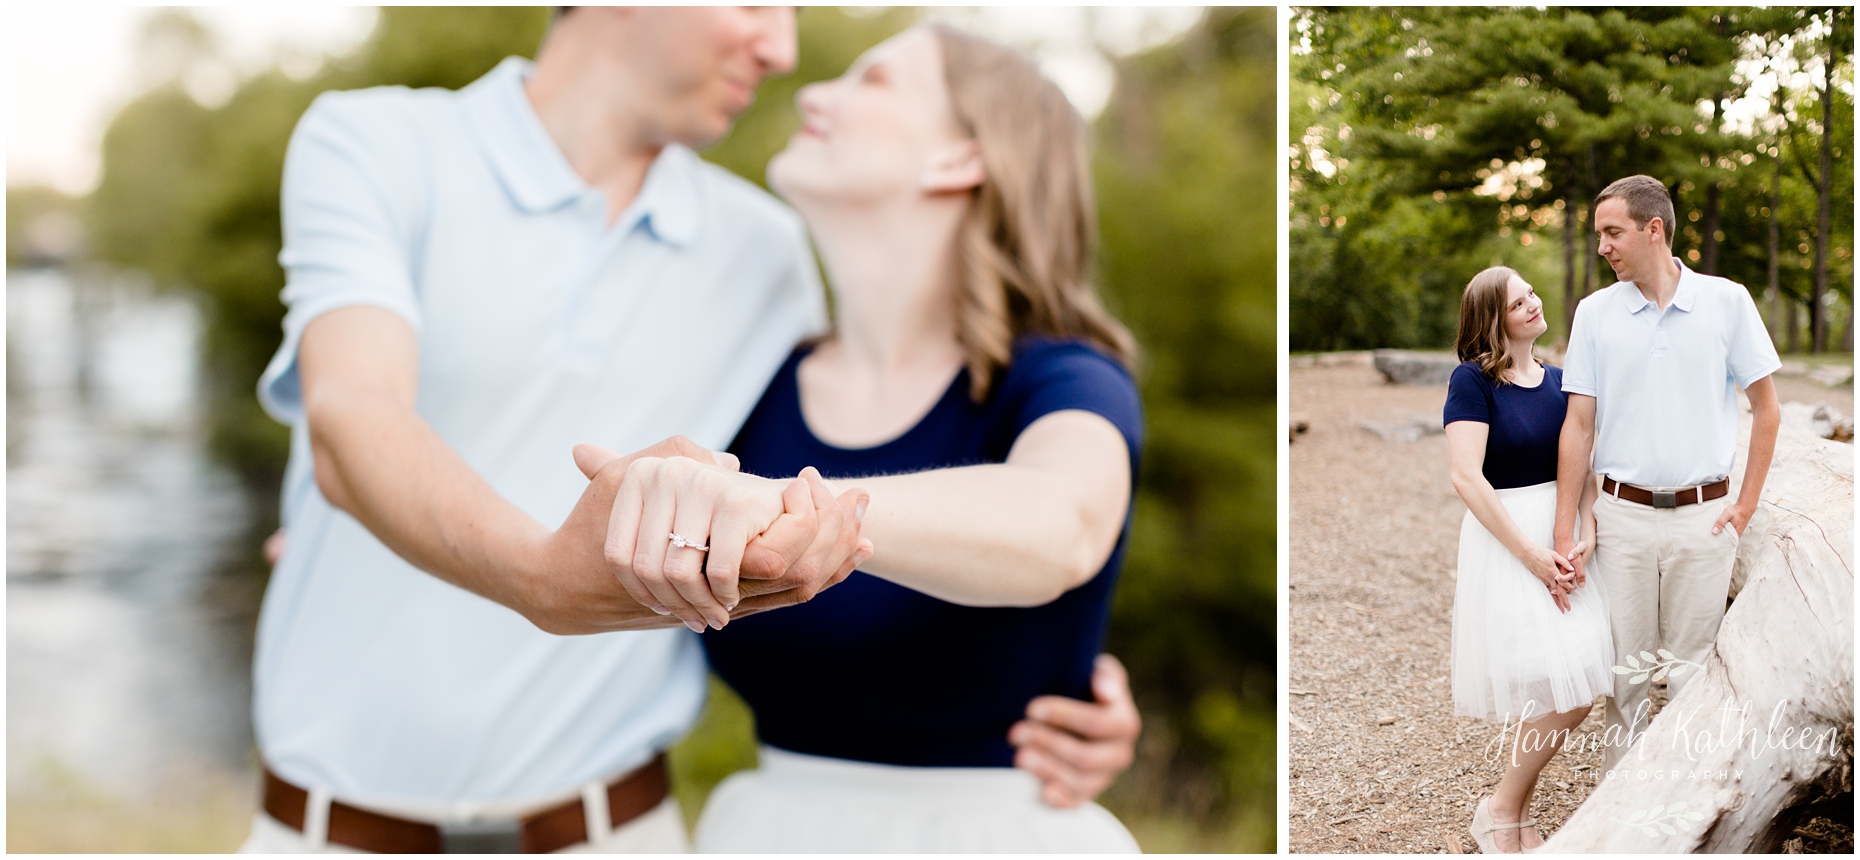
[912, 679]
[975, 388]
[1531, 643]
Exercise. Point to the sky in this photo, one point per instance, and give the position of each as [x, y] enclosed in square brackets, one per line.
[68, 68]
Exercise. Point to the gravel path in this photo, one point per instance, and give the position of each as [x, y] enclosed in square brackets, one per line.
[1378, 763]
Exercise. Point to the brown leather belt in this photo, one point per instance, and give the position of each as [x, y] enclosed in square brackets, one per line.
[1666, 498]
[540, 832]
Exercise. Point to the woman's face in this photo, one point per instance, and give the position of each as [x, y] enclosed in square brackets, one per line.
[875, 132]
[1524, 311]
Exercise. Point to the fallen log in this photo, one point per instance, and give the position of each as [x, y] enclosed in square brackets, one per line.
[1404, 367]
[1769, 726]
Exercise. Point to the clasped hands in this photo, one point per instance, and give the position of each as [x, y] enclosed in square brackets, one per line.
[1563, 570]
[767, 543]
[773, 544]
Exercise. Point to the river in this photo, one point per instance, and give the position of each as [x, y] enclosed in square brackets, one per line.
[132, 579]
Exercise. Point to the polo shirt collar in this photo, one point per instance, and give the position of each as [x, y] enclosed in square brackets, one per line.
[1688, 290]
[667, 203]
[538, 177]
[1683, 295]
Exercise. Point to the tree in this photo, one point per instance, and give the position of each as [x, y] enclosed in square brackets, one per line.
[1513, 118]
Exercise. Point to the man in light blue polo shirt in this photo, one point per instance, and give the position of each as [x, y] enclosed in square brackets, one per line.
[477, 282]
[1652, 374]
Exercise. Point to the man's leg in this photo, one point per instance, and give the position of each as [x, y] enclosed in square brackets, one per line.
[1627, 567]
[1695, 579]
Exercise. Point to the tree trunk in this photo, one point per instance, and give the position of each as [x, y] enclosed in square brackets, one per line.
[1817, 312]
[1708, 243]
[1793, 325]
[1588, 223]
[1713, 783]
[1569, 264]
[1776, 297]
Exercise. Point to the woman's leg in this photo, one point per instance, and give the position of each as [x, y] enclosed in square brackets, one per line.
[1537, 742]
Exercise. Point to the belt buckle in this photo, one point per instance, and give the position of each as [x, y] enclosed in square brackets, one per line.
[1665, 498]
[485, 836]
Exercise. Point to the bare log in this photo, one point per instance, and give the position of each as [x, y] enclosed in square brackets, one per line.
[1770, 723]
[1404, 367]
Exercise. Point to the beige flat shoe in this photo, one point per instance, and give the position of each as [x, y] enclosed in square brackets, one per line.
[1483, 826]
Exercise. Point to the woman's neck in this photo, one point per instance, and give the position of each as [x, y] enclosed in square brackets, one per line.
[894, 351]
[1523, 364]
[894, 274]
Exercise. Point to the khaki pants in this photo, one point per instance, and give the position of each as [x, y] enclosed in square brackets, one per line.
[1666, 578]
[660, 831]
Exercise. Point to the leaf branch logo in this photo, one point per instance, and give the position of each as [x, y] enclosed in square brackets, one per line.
[1653, 822]
[1655, 668]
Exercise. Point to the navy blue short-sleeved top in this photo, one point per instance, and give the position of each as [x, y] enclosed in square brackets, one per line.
[872, 671]
[1526, 423]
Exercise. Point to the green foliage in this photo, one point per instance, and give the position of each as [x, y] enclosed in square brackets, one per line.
[1430, 143]
[1185, 178]
[189, 194]
[722, 743]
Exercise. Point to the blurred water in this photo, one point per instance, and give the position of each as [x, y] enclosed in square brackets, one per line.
[130, 583]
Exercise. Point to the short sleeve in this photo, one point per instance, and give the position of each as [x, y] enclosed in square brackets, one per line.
[1752, 355]
[1467, 398]
[350, 214]
[1579, 361]
[1054, 376]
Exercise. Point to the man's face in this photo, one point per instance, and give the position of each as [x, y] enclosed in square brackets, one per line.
[1631, 249]
[700, 65]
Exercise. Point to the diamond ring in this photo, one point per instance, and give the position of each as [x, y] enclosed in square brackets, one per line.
[681, 542]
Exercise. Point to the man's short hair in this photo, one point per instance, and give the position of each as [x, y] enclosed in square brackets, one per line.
[1646, 200]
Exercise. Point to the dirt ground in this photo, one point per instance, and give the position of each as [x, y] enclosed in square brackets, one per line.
[1378, 762]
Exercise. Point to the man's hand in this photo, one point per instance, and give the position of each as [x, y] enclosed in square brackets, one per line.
[1570, 555]
[783, 565]
[1584, 549]
[1574, 480]
[1736, 515]
[791, 540]
[1077, 748]
[1765, 422]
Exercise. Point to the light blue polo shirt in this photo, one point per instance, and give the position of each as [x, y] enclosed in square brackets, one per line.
[540, 326]
[1665, 382]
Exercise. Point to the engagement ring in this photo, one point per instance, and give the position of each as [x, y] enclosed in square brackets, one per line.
[680, 542]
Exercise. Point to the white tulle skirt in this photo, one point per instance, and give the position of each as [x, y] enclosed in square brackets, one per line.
[797, 803]
[1515, 655]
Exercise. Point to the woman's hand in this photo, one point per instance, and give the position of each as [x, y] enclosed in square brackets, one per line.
[714, 510]
[1551, 568]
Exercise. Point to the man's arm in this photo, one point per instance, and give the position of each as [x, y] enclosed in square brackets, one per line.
[1765, 420]
[379, 461]
[1078, 748]
[1574, 453]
